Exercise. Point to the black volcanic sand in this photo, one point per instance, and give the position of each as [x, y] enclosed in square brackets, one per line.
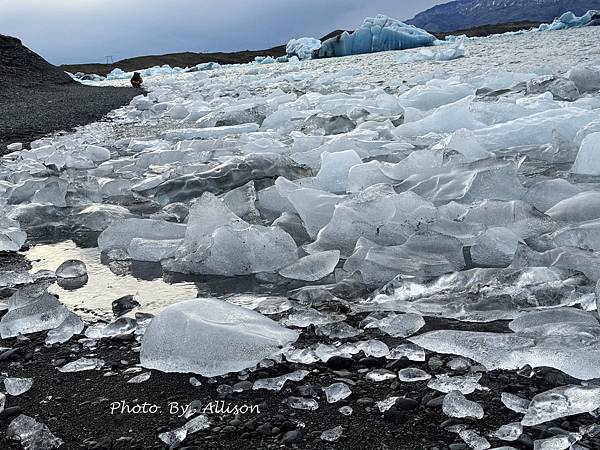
[37, 98]
[77, 406]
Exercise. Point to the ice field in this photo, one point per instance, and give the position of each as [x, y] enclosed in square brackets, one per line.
[397, 188]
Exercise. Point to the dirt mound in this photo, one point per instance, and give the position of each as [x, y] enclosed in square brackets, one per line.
[21, 66]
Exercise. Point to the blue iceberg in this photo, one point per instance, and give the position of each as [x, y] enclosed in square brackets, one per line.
[303, 48]
[570, 20]
[376, 34]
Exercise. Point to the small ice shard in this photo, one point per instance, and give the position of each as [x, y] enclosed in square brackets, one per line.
[211, 337]
[561, 402]
[308, 404]
[196, 424]
[276, 384]
[474, 440]
[579, 208]
[338, 330]
[410, 351]
[3, 402]
[587, 162]
[121, 232]
[71, 326]
[81, 365]
[456, 405]
[333, 434]
[140, 378]
[312, 267]
[344, 410]
[378, 375]
[562, 442]
[119, 326]
[386, 404]
[71, 268]
[17, 386]
[337, 392]
[510, 432]
[310, 316]
[173, 438]
[411, 375]
[399, 325]
[301, 356]
[465, 384]
[31, 434]
[195, 382]
[515, 403]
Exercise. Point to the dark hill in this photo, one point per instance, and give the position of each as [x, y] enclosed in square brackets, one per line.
[466, 14]
[37, 98]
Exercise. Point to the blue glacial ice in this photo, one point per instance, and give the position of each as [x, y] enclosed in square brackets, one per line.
[303, 47]
[377, 34]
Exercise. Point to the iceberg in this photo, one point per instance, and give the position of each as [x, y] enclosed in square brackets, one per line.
[376, 34]
[303, 48]
[211, 337]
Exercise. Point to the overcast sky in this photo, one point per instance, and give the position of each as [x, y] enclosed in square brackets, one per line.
[78, 31]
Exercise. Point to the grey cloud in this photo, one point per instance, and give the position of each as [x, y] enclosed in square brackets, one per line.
[68, 31]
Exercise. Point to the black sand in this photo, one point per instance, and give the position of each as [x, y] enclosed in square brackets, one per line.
[37, 98]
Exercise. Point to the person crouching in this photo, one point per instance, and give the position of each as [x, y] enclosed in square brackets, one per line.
[136, 80]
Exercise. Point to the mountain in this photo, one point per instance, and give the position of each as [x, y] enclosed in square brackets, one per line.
[465, 14]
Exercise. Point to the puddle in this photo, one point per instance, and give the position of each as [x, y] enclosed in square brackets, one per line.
[103, 286]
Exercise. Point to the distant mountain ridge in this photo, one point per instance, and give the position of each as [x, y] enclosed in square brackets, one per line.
[465, 14]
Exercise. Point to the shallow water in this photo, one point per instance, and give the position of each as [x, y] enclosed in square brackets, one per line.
[103, 286]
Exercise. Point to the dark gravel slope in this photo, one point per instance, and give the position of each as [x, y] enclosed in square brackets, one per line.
[37, 98]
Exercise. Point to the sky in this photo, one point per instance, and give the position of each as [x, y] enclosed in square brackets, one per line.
[82, 31]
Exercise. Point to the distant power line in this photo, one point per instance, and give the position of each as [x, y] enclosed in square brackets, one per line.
[109, 59]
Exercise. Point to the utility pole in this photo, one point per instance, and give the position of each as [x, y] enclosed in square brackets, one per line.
[109, 59]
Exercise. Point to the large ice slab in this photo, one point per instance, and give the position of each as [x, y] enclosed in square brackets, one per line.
[211, 337]
[376, 34]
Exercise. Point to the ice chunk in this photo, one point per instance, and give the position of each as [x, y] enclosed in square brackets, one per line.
[411, 375]
[226, 338]
[454, 51]
[515, 403]
[510, 432]
[496, 247]
[31, 310]
[410, 351]
[376, 34]
[31, 434]
[307, 404]
[545, 194]
[463, 141]
[333, 176]
[337, 392]
[579, 208]
[456, 405]
[70, 269]
[588, 158]
[11, 236]
[561, 402]
[563, 442]
[140, 378]
[312, 267]
[71, 326]
[378, 375]
[465, 384]
[97, 217]
[82, 365]
[122, 232]
[586, 77]
[375, 348]
[277, 383]
[402, 325]
[333, 434]
[152, 250]
[17, 386]
[303, 47]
